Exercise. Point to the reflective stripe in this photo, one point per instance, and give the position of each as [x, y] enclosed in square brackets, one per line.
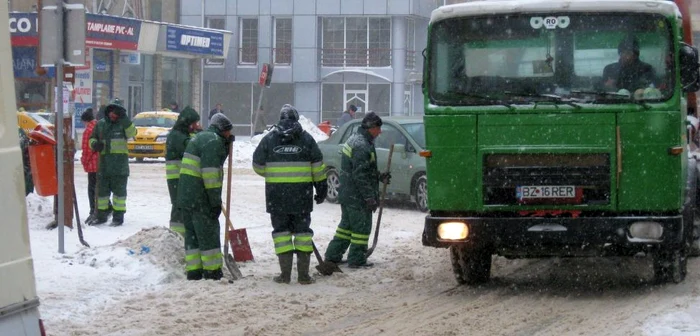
[318, 171]
[343, 234]
[259, 169]
[119, 203]
[283, 242]
[212, 259]
[118, 146]
[372, 157]
[178, 227]
[212, 177]
[172, 169]
[193, 260]
[130, 131]
[347, 150]
[190, 165]
[103, 203]
[359, 239]
[303, 242]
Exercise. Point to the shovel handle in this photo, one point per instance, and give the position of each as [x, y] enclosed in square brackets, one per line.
[381, 205]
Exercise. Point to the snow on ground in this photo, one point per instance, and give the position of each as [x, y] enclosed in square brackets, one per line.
[131, 281]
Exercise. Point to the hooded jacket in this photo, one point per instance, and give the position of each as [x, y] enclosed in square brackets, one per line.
[175, 146]
[292, 164]
[114, 158]
[201, 171]
[359, 175]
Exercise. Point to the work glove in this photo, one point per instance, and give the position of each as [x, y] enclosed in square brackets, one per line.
[385, 177]
[215, 212]
[319, 198]
[98, 146]
[371, 204]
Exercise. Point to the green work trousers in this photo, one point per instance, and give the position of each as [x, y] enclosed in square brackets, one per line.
[114, 186]
[353, 231]
[177, 222]
[202, 242]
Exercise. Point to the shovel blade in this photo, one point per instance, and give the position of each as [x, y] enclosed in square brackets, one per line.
[328, 268]
[240, 247]
[232, 267]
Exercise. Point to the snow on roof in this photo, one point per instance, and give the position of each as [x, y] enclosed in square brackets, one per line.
[474, 8]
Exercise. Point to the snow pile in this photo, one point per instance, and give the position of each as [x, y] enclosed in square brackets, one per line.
[306, 124]
[40, 210]
[157, 246]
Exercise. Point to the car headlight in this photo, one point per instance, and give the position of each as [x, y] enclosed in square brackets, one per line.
[161, 138]
[453, 230]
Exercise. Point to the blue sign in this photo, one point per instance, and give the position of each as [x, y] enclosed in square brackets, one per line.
[194, 41]
[24, 63]
[79, 109]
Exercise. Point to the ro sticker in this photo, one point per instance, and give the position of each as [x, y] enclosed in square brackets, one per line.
[550, 22]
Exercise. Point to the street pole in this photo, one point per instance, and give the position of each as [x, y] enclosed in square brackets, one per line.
[59, 132]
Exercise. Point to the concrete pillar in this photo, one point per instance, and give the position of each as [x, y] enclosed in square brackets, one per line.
[196, 85]
[158, 82]
[398, 63]
[116, 77]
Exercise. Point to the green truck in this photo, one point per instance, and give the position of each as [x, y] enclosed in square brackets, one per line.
[557, 128]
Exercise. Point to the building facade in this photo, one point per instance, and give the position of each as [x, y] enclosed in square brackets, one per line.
[327, 54]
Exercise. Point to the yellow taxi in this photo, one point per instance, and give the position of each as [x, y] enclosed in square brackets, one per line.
[152, 130]
[27, 121]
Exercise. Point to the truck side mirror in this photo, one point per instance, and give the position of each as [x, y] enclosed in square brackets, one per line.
[690, 69]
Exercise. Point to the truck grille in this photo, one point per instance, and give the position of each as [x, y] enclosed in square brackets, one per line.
[589, 173]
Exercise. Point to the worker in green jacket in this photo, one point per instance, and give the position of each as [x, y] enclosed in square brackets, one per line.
[201, 175]
[109, 139]
[358, 194]
[179, 136]
[292, 164]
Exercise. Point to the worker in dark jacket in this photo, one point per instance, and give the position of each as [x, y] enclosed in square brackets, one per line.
[358, 194]
[292, 164]
[177, 141]
[109, 139]
[201, 176]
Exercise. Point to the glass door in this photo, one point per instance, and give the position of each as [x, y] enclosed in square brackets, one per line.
[135, 99]
[357, 98]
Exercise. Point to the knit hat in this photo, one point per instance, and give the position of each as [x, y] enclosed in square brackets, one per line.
[371, 120]
[87, 115]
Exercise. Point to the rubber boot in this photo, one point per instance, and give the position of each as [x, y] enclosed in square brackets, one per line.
[213, 275]
[286, 260]
[117, 218]
[303, 261]
[194, 275]
[100, 218]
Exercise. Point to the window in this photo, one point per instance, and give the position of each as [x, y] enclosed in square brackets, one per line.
[216, 23]
[283, 41]
[389, 136]
[410, 44]
[248, 32]
[356, 42]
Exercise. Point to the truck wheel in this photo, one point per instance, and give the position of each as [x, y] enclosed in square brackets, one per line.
[695, 243]
[670, 266]
[420, 194]
[333, 181]
[471, 267]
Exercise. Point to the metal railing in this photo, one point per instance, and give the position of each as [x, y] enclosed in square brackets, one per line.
[362, 57]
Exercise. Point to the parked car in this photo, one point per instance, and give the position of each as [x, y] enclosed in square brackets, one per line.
[408, 181]
[152, 130]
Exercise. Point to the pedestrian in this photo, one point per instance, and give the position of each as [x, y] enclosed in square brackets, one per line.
[358, 194]
[176, 143]
[348, 115]
[292, 164]
[174, 107]
[218, 109]
[259, 125]
[88, 158]
[201, 175]
[109, 138]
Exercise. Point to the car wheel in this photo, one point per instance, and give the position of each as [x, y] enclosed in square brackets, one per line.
[420, 193]
[471, 267]
[333, 181]
[670, 266]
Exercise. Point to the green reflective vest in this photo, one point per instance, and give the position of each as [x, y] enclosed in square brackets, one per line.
[201, 171]
[114, 158]
[359, 176]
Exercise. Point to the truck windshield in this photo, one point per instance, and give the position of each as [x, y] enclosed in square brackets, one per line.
[524, 59]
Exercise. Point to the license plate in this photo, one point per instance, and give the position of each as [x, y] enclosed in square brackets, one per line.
[529, 192]
[143, 147]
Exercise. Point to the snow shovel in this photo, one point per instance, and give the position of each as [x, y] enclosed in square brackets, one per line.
[237, 238]
[381, 206]
[325, 267]
[228, 259]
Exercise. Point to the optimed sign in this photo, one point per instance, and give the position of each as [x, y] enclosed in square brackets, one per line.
[195, 41]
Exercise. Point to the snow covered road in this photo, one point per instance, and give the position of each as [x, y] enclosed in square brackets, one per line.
[115, 288]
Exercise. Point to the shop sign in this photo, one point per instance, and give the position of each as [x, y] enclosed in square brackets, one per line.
[130, 58]
[24, 63]
[24, 29]
[194, 41]
[110, 32]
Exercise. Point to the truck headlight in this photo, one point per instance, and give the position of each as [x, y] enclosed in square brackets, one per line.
[646, 230]
[453, 230]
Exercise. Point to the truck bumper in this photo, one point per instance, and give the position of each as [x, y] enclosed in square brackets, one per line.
[537, 236]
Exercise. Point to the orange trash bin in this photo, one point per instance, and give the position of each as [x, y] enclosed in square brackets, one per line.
[325, 127]
[42, 159]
